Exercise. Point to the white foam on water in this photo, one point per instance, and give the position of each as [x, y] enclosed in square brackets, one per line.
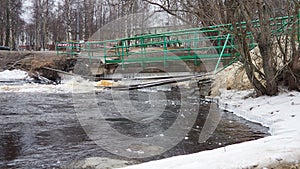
[68, 84]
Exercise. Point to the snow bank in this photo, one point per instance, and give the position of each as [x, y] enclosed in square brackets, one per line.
[69, 84]
[13, 75]
[280, 113]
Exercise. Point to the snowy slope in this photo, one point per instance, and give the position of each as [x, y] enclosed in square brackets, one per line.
[13, 75]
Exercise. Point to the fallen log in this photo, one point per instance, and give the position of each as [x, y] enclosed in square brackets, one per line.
[67, 73]
[158, 82]
[43, 80]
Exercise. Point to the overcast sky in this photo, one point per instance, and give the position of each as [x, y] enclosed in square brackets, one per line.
[27, 13]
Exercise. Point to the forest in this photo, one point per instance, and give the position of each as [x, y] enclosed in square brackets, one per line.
[50, 21]
[54, 21]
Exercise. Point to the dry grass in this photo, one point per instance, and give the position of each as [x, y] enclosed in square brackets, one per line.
[234, 77]
[38, 63]
[284, 166]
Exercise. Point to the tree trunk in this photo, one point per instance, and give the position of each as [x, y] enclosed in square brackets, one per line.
[264, 41]
[249, 67]
[268, 67]
[8, 23]
[293, 71]
[37, 25]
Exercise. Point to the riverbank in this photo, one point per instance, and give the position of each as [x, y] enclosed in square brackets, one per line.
[280, 150]
[43, 66]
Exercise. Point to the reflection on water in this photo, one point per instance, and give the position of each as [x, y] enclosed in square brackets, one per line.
[42, 131]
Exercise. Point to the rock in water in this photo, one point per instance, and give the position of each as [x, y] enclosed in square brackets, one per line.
[99, 163]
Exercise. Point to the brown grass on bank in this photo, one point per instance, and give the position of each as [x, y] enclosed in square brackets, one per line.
[284, 166]
[38, 63]
[234, 77]
[33, 62]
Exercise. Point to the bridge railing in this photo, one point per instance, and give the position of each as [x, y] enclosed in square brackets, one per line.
[213, 42]
[69, 48]
[182, 45]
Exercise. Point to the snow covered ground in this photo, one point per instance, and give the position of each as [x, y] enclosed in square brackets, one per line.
[13, 75]
[280, 113]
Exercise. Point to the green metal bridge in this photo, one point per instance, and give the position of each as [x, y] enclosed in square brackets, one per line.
[214, 42]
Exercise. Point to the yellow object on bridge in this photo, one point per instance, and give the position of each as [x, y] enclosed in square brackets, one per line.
[104, 83]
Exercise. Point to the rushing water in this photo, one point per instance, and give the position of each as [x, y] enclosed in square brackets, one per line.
[41, 130]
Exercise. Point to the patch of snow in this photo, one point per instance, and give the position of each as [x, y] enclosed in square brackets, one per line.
[100, 163]
[69, 84]
[13, 75]
[280, 113]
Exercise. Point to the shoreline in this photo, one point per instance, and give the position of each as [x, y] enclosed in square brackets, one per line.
[280, 113]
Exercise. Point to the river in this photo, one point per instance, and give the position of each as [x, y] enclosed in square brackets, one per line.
[44, 130]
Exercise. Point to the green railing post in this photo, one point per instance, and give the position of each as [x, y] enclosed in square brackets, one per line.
[142, 51]
[195, 54]
[122, 47]
[219, 41]
[71, 48]
[165, 51]
[196, 44]
[221, 54]
[189, 45]
[56, 48]
[232, 37]
[89, 52]
[104, 51]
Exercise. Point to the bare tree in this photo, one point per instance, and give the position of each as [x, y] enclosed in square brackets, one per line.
[206, 13]
[292, 70]
[69, 18]
[265, 35]
[10, 20]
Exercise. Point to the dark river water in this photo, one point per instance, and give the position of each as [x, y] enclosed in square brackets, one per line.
[42, 130]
